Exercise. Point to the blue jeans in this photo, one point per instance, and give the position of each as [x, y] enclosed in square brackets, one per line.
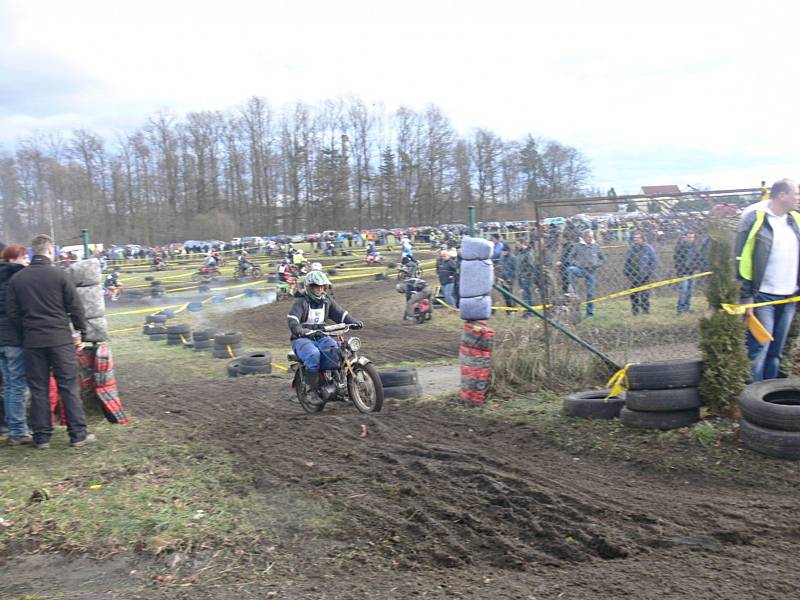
[318, 354]
[685, 295]
[591, 278]
[12, 364]
[777, 319]
[448, 291]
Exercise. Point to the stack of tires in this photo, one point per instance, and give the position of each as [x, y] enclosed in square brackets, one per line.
[593, 404]
[663, 395]
[228, 345]
[400, 383]
[155, 327]
[178, 335]
[771, 418]
[250, 364]
[156, 290]
[86, 276]
[202, 340]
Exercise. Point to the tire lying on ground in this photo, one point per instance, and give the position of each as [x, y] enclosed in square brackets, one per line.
[663, 400]
[229, 337]
[255, 369]
[154, 330]
[403, 392]
[181, 328]
[772, 404]
[395, 377]
[155, 319]
[771, 442]
[592, 404]
[668, 374]
[194, 306]
[659, 420]
[158, 337]
[228, 351]
[232, 368]
[201, 345]
[203, 335]
[256, 359]
[149, 278]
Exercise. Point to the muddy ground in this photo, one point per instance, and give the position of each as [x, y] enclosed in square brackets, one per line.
[426, 500]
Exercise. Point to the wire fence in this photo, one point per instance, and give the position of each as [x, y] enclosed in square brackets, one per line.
[627, 274]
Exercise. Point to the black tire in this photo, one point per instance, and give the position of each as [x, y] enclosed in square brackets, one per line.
[155, 330]
[183, 328]
[303, 394]
[174, 340]
[403, 392]
[155, 282]
[226, 352]
[668, 374]
[663, 400]
[332, 271]
[203, 335]
[230, 337]
[194, 306]
[773, 404]
[160, 319]
[250, 369]
[158, 337]
[592, 404]
[148, 278]
[772, 442]
[199, 346]
[167, 312]
[391, 265]
[232, 368]
[256, 359]
[365, 388]
[395, 377]
[380, 277]
[659, 420]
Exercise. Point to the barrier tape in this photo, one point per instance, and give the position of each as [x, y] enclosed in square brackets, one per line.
[740, 309]
[618, 382]
[230, 351]
[648, 286]
[183, 339]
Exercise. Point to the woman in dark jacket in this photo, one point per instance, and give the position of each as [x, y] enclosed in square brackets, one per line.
[12, 354]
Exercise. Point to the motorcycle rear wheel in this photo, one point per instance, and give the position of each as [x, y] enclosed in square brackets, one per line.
[365, 388]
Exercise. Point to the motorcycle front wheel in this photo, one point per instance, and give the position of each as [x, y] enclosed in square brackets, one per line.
[365, 388]
[304, 395]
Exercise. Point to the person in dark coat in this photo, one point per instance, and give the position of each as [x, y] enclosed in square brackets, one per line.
[689, 259]
[507, 274]
[12, 354]
[447, 270]
[640, 266]
[41, 301]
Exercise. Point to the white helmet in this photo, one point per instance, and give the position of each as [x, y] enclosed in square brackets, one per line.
[316, 267]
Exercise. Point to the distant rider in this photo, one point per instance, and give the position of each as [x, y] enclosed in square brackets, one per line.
[309, 313]
[243, 263]
[112, 285]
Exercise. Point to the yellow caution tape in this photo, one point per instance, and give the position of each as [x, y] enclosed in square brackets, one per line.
[618, 382]
[648, 286]
[281, 367]
[740, 309]
[230, 351]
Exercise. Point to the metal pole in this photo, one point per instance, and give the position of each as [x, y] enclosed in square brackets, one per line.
[543, 288]
[471, 221]
[85, 238]
[599, 353]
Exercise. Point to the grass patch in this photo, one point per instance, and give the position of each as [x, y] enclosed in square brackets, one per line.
[136, 489]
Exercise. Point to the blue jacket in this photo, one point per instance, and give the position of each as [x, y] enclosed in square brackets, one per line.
[640, 262]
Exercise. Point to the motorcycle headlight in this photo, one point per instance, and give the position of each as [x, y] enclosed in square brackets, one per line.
[354, 344]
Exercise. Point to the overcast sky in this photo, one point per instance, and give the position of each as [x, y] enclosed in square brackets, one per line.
[699, 92]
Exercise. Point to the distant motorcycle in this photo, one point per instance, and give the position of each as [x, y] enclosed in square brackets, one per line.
[240, 272]
[206, 274]
[356, 379]
[410, 270]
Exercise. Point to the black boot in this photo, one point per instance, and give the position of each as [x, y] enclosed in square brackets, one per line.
[312, 380]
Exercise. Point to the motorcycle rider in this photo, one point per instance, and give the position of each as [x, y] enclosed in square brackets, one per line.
[308, 313]
[158, 262]
[112, 285]
[243, 264]
[415, 289]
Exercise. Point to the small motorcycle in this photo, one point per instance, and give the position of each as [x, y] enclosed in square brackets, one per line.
[410, 270]
[206, 274]
[356, 380]
[374, 259]
[162, 266]
[249, 271]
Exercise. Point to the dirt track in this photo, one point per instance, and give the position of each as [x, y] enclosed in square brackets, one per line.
[432, 502]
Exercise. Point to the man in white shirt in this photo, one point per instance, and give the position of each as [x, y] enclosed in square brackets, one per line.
[768, 257]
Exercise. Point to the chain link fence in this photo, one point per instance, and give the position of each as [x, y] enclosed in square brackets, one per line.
[625, 274]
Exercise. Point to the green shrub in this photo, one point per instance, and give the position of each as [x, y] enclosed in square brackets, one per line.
[722, 335]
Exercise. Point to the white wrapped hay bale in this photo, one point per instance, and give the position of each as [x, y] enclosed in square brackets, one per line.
[85, 273]
[91, 297]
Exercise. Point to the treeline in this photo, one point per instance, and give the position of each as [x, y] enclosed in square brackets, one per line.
[257, 171]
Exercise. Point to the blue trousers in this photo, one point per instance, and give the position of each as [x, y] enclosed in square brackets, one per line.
[777, 319]
[12, 365]
[318, 354]
[448, 291]
[591, 278]
[685, 296]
